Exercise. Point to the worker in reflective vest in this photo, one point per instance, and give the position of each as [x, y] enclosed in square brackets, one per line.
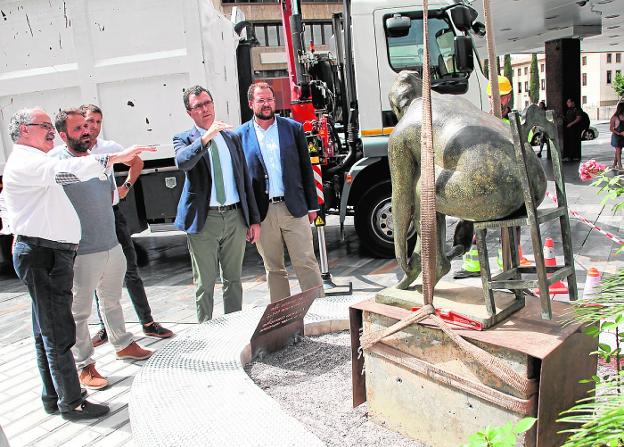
[506, 92]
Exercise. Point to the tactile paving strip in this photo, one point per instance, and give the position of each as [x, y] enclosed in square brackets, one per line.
[194, 391]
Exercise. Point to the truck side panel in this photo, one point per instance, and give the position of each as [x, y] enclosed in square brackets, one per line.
[132, 57]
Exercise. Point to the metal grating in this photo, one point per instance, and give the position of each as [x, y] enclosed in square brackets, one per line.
[194, 391]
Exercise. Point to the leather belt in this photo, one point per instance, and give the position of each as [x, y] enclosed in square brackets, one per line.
[222, 208]
[40, 242]
[277, 199]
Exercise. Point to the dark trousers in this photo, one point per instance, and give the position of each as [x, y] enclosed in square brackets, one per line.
[572, 142]
[133, 281]
[48, 273]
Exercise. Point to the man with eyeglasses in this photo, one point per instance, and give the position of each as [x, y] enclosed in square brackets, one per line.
[283, 183]
[217, 208]
[47, 230]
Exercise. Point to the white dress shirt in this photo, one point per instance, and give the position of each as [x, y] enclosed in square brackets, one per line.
[34, 202]
[271, 154]
[229, 182]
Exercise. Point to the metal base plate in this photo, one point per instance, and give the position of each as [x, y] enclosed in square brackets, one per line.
[448, 296]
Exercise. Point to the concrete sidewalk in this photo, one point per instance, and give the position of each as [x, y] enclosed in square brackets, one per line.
[170, 290]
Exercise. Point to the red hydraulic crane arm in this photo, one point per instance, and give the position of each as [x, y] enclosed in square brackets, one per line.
[291, 52]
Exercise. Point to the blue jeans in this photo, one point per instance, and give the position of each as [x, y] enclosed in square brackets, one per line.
[133, 280]
[48, 274]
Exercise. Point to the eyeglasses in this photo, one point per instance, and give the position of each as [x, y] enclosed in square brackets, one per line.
[264, 101]
[46, 126]
[201, 105]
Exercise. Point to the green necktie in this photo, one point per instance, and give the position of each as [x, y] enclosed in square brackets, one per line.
[217, 173]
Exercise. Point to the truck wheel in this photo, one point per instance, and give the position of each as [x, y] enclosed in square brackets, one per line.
[373, 222]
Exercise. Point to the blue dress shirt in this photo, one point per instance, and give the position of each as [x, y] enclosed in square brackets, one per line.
[270, 149]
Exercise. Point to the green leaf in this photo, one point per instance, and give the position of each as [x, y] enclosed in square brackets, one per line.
[592, 331]
[603, 347]
[524, 425]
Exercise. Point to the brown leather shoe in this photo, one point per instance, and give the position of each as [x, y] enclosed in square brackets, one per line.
[90, 378]
[135, 352]
[99, 338]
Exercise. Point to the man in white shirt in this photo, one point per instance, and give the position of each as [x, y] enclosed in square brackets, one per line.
[132, 279]
[37, 211]
[100, 264]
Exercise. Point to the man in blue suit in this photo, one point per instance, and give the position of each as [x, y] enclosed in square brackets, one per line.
[217, 208]
[283, 184]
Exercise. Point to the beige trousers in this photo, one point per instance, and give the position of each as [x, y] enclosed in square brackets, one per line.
[279, 228]
[102, 272]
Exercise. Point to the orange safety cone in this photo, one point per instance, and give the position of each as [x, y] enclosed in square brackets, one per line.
[592, 283]
[557, 288]
[523, 261]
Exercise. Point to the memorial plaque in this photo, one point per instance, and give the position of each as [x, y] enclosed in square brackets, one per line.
[282, 322]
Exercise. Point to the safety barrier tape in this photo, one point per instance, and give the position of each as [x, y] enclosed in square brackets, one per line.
[586, 221]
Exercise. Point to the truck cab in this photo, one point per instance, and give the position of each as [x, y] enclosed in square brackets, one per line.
[379, 54]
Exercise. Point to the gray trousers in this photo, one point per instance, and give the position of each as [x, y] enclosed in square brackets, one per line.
[220, 243]
[102, 272]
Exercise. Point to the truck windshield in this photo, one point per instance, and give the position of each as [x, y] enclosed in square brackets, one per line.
[406, 53]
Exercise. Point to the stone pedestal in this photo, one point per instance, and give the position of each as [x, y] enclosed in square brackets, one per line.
[421, 384]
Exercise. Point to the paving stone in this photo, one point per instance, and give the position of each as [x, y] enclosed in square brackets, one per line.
[27, 422]
[27, 438]
[118, 418]
[121, 437]
[18, 406]
[64, 435]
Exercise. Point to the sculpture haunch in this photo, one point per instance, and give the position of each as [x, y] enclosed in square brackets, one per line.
[477, 178]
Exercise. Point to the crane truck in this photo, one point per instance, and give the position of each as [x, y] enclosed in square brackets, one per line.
[134, 59]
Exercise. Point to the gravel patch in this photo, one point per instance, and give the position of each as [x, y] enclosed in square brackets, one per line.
[311, 380]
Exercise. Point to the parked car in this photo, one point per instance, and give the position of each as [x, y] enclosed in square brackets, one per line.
[591, 133]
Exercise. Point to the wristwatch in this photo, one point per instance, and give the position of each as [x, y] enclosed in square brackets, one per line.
[128, 185]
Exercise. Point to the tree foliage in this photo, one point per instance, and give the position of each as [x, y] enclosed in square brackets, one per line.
[534, 81]
[508, 73]
[618, 84]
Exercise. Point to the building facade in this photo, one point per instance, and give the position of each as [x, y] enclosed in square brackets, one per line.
[598, 71]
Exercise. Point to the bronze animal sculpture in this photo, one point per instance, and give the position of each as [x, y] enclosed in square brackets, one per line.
[475, 166]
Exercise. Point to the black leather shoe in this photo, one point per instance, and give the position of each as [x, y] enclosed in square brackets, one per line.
[88, 410]
[52, 408]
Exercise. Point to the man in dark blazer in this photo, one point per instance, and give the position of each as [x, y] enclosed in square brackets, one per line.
[283, 184]
[217, 208]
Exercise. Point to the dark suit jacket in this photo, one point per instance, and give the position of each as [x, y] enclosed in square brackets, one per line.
[299, 189]
[193, 159]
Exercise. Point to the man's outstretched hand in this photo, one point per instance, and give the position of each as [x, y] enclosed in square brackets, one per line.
[128, 154]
